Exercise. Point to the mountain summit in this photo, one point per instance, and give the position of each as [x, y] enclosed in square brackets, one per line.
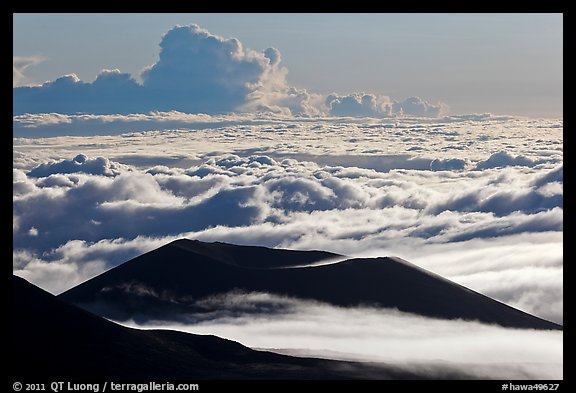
[170, 281]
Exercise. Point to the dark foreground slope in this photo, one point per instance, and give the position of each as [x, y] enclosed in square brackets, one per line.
[53, 339]
[170, 280]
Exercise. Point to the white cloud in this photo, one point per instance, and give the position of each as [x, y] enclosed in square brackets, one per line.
[377, 335]
[19, 66]
[210, 73]
[76, 260]
[351, 186]
[415, 106]
[79, 164]
[371, 105]
[197, 71]
[56, 275]
[201, 72]
[64, 217]
[359, 104]
[503, 159]
[537, 289]
[178, 139]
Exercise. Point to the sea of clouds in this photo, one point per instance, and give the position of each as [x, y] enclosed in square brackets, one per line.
[476, 203]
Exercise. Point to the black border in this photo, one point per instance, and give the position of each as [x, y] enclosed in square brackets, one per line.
[268, 385]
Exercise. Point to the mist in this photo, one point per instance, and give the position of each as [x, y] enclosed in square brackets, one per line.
[307, 328]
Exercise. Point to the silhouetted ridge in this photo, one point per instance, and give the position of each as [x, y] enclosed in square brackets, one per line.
[167, 282]
[57, 341]
[243, 256]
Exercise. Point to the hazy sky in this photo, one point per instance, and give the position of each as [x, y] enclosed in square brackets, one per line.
[475, 63]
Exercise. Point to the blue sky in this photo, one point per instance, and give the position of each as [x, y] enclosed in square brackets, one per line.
[475, 63]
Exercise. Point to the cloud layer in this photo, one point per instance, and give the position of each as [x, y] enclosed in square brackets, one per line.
[477, 199]
[199, 72]
[76, 217]
[370, 334]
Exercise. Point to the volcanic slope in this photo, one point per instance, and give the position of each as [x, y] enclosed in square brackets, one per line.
[170, 281]
[58, 341]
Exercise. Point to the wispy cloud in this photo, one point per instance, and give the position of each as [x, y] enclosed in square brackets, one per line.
[19, 66]
[372, 334]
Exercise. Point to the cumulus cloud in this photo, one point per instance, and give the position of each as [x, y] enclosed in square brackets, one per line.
[199, 72]
[522, 287]
[503, 159]
[415, 106]
[111, 92]
[79, 164]
[370, 105]
[372, 334]
[196, 72]
[448, 164]
[500, 203]
[19, 66]
[21, 184]
[76, 260]
[94, 207]
[361, 105]
[554, 176]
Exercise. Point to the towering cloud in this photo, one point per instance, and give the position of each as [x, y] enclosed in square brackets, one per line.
[204, 72]
[199, 72]
[196, 72]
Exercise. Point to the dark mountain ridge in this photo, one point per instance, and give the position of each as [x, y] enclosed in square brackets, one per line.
[58, 341]
[167, 283]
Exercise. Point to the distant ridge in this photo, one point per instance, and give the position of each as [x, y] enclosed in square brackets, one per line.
[243, 256]
[192, 270]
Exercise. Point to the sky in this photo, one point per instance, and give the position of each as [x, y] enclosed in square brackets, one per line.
[508, 64]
